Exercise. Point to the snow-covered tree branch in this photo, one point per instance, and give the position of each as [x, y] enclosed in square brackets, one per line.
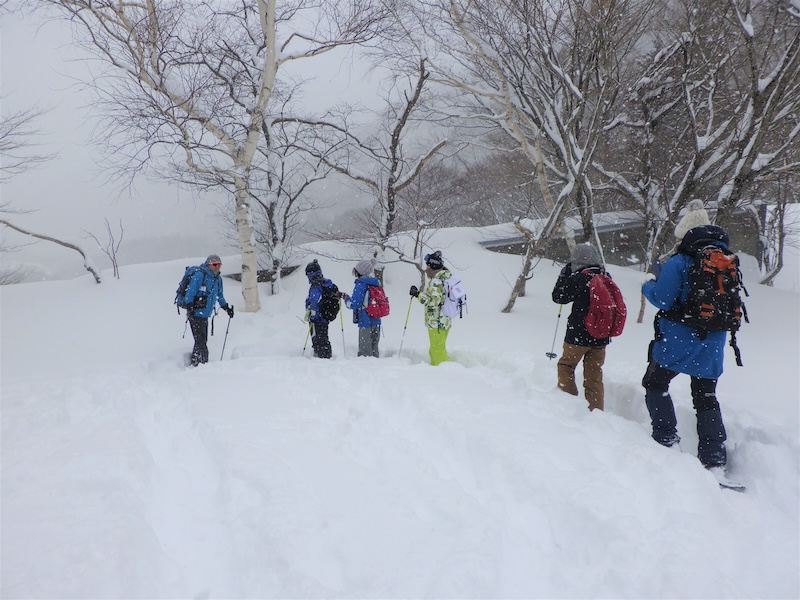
[189, 85]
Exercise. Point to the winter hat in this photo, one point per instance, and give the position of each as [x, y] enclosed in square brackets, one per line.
[365, 267]
[585, 255]
[695, 216]
[213, 258]
[313, 267]
[435, 260]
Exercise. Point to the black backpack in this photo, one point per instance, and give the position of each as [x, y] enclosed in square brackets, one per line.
[328, 305]
[714, 302]
[180, 293]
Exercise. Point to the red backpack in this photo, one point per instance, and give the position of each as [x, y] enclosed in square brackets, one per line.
[377, 303]
[607, 310]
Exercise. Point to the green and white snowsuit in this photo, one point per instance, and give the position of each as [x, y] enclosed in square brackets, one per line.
[438, 324]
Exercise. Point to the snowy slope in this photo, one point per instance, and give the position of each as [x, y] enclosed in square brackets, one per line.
[271, 474]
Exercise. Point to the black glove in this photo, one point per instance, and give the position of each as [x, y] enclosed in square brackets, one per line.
[228, 308]
[414, 291]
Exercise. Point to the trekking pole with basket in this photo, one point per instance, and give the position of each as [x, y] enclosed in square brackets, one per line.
[551, 355]
[308, 335]
[225, 341]
[408, 312]
[341, 322]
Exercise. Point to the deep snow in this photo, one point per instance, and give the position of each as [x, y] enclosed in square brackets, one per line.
[271, 474]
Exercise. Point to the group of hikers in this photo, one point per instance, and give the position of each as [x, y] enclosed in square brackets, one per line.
[437, 322]
[679, 345]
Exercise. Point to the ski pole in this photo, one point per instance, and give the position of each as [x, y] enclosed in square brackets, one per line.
[551, 355]
[341, 322]
[308, 334]
[225, 341]
[403, 337]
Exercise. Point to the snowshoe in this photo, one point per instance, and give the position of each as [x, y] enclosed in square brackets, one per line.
[725, 482]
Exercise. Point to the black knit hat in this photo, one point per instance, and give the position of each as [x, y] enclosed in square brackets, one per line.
[697, 237]
[313, 267]
[434, 260]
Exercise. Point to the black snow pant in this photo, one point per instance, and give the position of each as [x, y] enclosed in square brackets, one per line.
[199, 327]
[320, 341]
[710, 428]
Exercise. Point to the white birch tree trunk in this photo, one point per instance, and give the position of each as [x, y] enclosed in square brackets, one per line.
[244, 228]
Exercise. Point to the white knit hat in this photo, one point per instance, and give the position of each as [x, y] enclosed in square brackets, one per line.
[365, 267]
[695, 216]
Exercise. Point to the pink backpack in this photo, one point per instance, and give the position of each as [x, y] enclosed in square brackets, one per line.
[607, 310]
[377, 304]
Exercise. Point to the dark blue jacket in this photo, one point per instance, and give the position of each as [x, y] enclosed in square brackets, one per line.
[316, 280]
[205, 285]
[679, 347]
[356, 302]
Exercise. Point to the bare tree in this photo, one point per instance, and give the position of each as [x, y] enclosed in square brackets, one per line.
[87, 263]
[778, 229]
[17, 134]
[712, 114]
[383, 161]
[546, 73]
[111, 245]
[192, 83]
[17, 139]
[426, 205]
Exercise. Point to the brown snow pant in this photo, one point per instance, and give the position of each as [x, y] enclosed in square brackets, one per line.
[593, 359]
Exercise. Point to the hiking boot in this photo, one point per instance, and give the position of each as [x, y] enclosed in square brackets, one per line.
[669, 439]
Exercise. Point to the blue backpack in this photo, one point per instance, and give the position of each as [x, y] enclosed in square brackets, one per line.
[180, 293]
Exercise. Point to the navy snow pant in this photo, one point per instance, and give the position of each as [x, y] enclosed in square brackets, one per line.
[320, 341]
[710, 428]
[199, 327]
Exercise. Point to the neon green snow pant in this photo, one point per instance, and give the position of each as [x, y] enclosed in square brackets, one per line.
[438, 351]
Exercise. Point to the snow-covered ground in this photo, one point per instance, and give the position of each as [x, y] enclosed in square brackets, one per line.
[274, 475]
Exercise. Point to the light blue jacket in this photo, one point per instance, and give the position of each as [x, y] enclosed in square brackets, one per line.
[204, 284]
[679, 347]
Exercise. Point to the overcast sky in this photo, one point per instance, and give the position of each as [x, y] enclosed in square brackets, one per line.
[39, 64]
[68, 194]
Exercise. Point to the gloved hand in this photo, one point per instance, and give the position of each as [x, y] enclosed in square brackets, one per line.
[345, 297]
[228, 308]
[655, 268]
[307, 318]
[414, 291]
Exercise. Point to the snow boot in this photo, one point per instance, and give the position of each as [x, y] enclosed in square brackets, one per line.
[711, 439]
[662, 414]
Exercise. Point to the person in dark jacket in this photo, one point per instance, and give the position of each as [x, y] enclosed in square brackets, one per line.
[679, 348]
[202, 294]
[319, 324]
[573, 286]
[369, 328]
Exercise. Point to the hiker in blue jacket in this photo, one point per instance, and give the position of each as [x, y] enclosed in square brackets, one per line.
[679, 348]
[202, 294]
[369, 328]
[317, 322]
